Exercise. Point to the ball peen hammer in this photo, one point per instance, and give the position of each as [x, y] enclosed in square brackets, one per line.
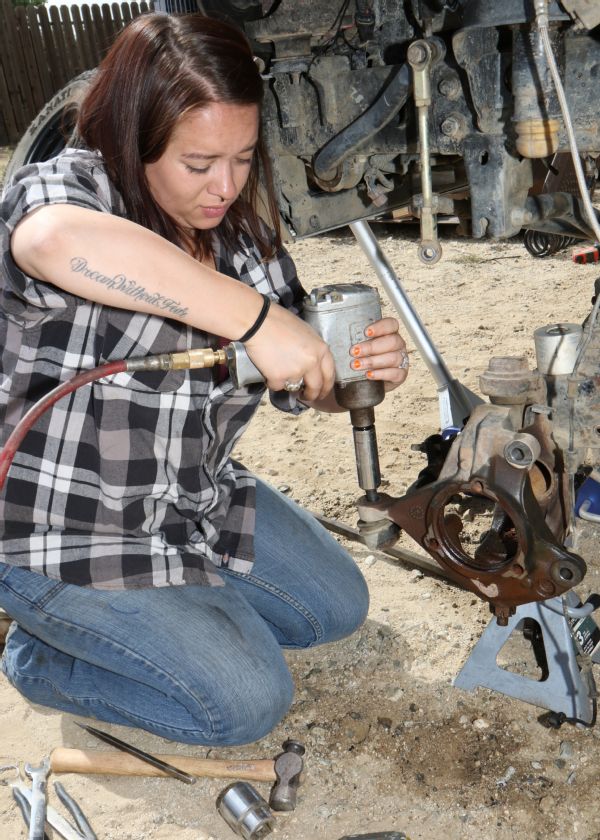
[285, 770]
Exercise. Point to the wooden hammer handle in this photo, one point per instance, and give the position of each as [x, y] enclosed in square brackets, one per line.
[64, 760]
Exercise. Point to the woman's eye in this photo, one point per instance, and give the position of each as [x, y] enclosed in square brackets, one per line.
[195, 170]
[245, 161]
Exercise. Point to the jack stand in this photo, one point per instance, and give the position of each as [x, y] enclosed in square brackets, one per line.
[561, 689]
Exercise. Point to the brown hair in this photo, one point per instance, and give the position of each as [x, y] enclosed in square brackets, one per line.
[160, 67]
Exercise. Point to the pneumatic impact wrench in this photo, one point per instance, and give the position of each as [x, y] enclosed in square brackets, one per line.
[340, 314]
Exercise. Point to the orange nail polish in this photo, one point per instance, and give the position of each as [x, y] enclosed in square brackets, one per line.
[369, 331]
[370, 374]
[356, 351]
[356, 364]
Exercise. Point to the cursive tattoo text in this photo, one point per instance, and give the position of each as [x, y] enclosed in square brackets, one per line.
[121, 283]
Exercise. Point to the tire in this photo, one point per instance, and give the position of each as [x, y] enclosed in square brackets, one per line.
[52, 129]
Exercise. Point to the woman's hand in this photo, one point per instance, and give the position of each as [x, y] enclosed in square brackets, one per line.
[286, 349]
[383, 355]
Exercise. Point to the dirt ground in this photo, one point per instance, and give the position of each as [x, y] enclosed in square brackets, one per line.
[390, 743]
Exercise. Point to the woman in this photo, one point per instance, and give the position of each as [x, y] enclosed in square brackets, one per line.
[152, 580]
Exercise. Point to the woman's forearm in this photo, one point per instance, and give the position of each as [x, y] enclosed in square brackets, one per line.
[109, 260]
[115, 262]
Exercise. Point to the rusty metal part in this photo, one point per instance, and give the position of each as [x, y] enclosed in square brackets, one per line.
[520, 558]
[509, 381]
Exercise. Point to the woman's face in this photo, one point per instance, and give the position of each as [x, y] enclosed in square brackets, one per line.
[205, 165]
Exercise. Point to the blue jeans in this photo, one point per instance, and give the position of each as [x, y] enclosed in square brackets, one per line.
[201, 665]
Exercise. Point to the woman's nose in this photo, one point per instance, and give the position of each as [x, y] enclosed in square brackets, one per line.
[222, 183]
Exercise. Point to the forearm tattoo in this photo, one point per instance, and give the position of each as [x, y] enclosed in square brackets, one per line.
[121, 283]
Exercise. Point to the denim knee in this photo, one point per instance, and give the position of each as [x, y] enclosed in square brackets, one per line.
[213, 712]
[245, 712]
[345, 609]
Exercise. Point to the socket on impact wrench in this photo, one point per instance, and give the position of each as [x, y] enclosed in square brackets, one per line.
[245, 811]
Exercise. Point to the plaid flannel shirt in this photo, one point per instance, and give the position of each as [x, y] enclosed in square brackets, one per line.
[127, 482]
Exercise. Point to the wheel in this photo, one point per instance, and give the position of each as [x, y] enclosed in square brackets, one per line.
[53, 127]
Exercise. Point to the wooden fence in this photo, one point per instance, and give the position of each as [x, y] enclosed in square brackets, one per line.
[42, 48]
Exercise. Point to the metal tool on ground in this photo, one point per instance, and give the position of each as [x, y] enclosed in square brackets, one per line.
[37, 802]
[61, 826]
[23, 803]
[66, 760]
[245, 811]
[288, 769]
[4, 768]
[380, 835]
[166, 767]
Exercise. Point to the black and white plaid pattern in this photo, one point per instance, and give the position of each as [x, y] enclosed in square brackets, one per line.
[127, 482]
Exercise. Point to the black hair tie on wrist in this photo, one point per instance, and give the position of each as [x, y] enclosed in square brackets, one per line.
[259, 321]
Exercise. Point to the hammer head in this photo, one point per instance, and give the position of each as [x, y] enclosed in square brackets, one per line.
[288, 767]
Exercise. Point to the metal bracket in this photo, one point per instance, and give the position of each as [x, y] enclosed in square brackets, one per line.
[562, 690]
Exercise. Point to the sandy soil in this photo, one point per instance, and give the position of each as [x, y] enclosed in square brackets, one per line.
[391, 744]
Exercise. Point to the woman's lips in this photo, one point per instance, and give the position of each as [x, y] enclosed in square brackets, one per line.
[215, 212]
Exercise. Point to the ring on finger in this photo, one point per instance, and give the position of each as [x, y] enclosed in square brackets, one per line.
[292, 387]
[405, 360]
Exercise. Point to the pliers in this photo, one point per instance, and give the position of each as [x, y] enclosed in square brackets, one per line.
[22, 795]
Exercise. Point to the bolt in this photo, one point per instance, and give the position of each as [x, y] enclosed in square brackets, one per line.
[502, 614]
[449, 87]
[546, 588]
[418, 54]
[450, 127]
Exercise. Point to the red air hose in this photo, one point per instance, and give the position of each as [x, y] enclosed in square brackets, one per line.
[202, 357]
[27, 421]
